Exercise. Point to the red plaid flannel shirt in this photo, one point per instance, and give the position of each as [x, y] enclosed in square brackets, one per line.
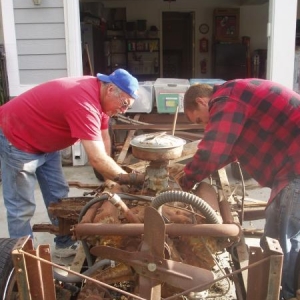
[257, 122]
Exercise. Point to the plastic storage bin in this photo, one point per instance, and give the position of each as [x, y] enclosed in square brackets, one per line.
[144, 104]
[169, 93]
[210, 81]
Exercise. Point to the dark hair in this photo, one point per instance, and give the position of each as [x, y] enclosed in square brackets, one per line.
[195, 91]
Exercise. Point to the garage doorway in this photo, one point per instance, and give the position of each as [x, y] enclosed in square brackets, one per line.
[178, 44]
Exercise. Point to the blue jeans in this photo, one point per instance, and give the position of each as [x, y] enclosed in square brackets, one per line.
[19, 173]
[283, 223]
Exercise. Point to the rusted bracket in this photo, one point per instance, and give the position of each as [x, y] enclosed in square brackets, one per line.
[34, 278]
[265, 279]
[45, 228]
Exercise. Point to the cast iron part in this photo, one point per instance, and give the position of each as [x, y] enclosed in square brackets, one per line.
[151, 264]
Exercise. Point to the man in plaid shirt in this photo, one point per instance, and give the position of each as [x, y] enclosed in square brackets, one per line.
[257, 122]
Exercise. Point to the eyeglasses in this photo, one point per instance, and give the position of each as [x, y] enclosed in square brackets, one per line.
[125, 103]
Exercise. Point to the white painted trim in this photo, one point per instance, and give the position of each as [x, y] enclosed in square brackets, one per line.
[73, 37]
[281, 41]
[10, 44]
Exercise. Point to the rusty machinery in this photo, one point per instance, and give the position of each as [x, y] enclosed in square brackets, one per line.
[144, 238]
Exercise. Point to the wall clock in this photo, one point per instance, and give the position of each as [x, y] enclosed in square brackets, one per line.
[203, 28]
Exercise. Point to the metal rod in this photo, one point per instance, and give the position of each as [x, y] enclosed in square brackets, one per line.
[214, 230]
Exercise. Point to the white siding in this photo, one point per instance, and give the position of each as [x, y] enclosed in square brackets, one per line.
[40, 39]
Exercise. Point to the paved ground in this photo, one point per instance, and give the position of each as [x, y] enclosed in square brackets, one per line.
[84, 174]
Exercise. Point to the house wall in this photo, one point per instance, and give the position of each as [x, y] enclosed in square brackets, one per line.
[41, 48]
[40, 37]
[1, 27]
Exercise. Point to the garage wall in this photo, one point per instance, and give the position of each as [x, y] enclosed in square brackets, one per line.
[40, 38]
[253, 19]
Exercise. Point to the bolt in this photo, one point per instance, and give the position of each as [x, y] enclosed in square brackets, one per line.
[151, 267]
[20, 270]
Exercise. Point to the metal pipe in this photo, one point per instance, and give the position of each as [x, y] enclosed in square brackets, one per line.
[116, 200]
[207, 192]
[131, 178]
[215, 230]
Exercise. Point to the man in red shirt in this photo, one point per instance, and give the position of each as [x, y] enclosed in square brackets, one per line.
[257, 122]
[36, 125]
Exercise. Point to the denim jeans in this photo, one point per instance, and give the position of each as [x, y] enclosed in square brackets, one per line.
[20, 170]
[283, 223]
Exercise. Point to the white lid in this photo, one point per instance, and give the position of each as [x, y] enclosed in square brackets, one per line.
[171, 81]
[159, 140]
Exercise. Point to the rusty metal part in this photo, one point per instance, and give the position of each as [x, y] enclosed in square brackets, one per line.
[45, 228]
[153, 244]
[131, 178]
[157, 176]
[68, 208]
[31, 273]
[264, 281]
[82, 185]
[251, 214]
[117, 202]
[146, 154]
[157, 146]
[206, 192]
[214, 230]
[150, 264]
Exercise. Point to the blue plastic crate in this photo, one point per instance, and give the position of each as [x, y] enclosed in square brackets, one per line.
[210, 81]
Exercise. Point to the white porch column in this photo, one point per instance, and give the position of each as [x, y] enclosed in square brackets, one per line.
[73, 37]
[281, 41]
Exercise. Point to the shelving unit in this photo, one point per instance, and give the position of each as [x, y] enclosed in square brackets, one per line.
[143, 58]
[115, 53]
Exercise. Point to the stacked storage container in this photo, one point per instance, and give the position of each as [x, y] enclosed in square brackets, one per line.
[144, 104]
[169, 94]
[210, 81]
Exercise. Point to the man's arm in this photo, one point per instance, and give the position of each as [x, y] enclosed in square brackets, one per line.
[227, 119]
[100, 160]
[106, 140]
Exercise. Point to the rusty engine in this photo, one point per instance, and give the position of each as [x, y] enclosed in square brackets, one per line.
[143, 237]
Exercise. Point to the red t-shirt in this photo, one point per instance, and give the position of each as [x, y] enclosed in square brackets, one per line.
[54, 115]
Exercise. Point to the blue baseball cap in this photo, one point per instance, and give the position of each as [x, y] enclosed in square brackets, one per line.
[123, 80]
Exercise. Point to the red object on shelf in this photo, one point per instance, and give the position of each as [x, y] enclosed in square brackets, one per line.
[203, 45]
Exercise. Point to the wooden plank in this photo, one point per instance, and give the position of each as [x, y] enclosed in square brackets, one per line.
[157, 127]
[126, 145]
[225, 186]
[78, 261]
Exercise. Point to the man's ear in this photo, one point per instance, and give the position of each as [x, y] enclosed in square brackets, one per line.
[201, 101]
